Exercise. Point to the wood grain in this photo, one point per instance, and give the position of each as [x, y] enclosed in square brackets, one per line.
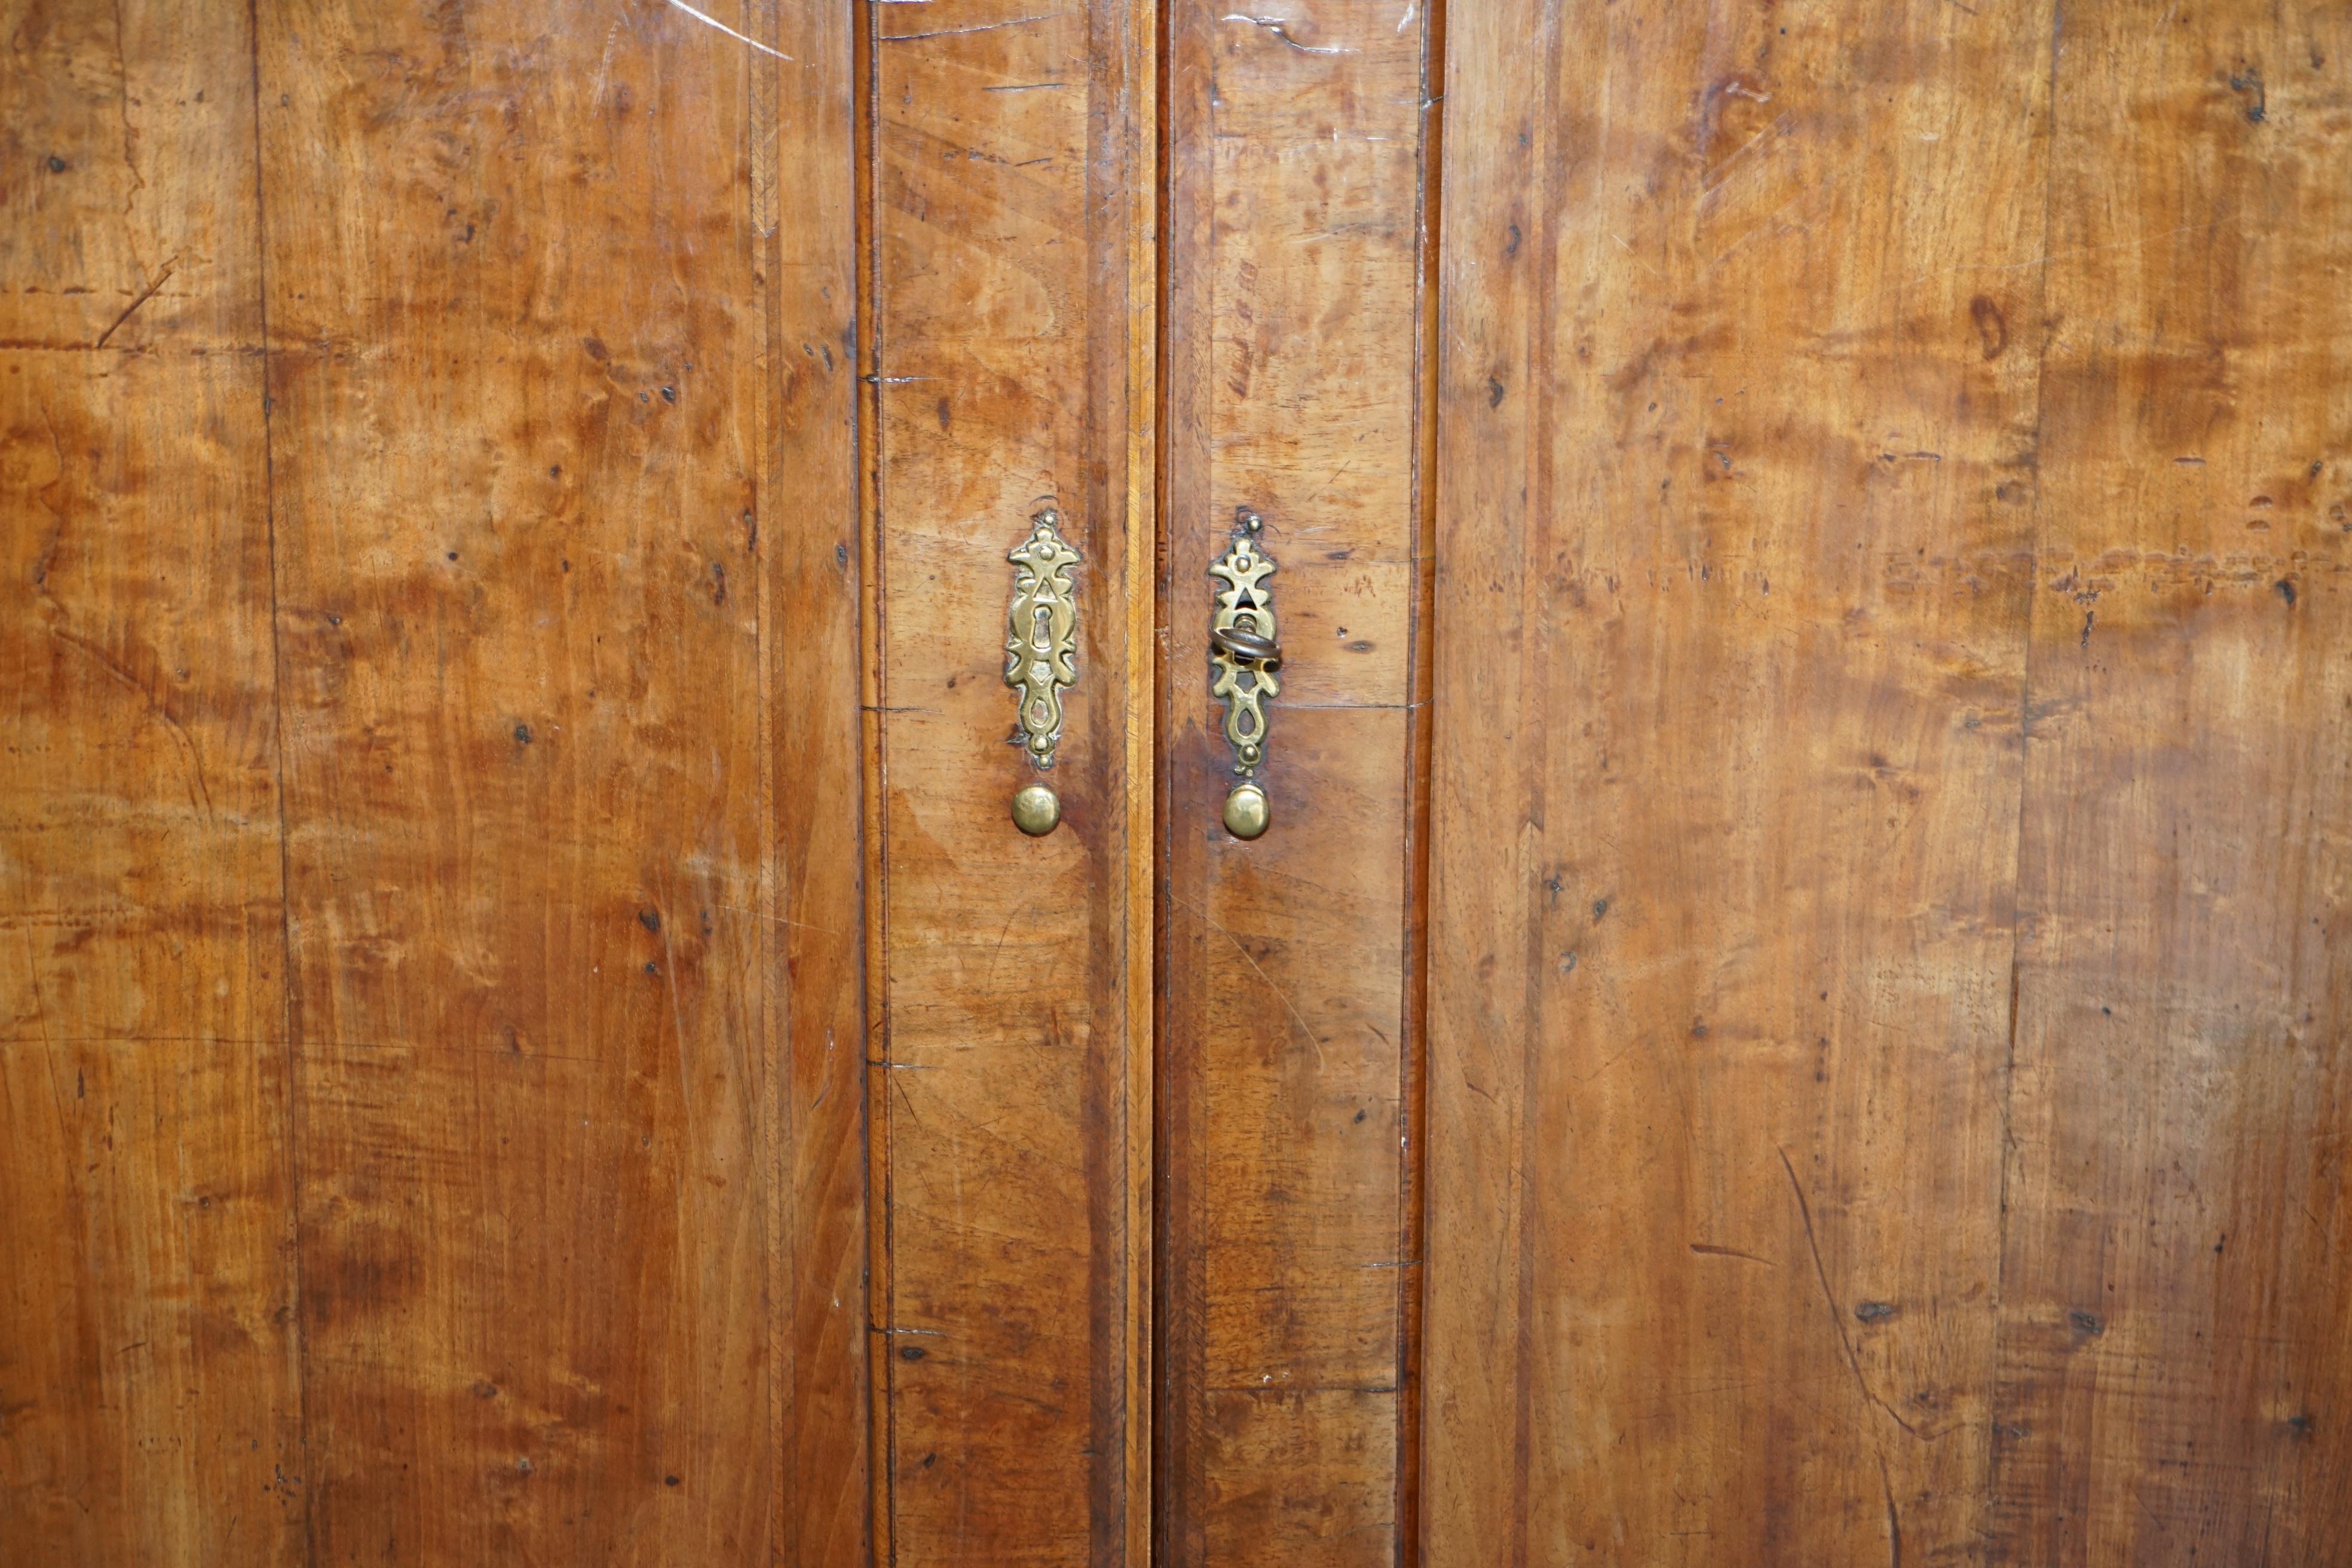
[1293, 264]
[569, 1104]
[1888, 817]
[559, 1186]
[1736, 460]
[1890, 807]
[804, 169]
[2176, 1381]
[149, 1386]
[1010, 333]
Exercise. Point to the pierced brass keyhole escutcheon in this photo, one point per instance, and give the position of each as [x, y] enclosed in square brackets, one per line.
[1041, 658]
[1244, 655]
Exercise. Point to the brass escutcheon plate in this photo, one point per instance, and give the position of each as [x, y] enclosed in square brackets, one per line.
[1244, 653]
[1041, 637]
[1041, 657]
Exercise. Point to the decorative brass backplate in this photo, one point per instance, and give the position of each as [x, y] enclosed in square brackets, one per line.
[1243, 655]
[1041, 643]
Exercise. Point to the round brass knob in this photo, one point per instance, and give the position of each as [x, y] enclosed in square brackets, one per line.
[1036, 811]
[1246, 813]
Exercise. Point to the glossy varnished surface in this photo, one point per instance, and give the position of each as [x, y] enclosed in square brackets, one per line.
[514, 476]
[1885, 1078]
[149, 1386]
[2176, 1380]
[1007, 364]
[473, 1173]
[1891, 815]
[803, 209]
[1292, 267]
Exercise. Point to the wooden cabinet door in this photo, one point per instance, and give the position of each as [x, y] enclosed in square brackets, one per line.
[1298, 233]
[430, 1094]
[1888, 1033]
[1690, 664]
[1875, 758]
[1007, 348]
[531, 1035]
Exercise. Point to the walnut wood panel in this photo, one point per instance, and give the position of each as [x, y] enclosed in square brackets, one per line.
[1736, 492]
[149, 1402]
[1293, 257]
[448, 376]
[515, 465]
[561, 1149]
[803, 165]
[1887, 1088]
[1007, 356]
[2177, 1381]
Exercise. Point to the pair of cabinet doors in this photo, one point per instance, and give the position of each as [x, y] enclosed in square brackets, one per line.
[1691, 902]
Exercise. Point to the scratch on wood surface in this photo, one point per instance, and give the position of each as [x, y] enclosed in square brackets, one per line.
[1599, 1071]
[1724, 172]
[163, 277]
[33, 984]
[605, 63]
[1626, 245]
[979, 28]
[824, 1090]
[1281, 29]
[123, 102]
[2050, 256]
[997, 953]
[1708, 1249]
[200, 792]
[1893, 1519]
[1829, 1296]
[710, 21]
[1336, 474]
[1280, 995]
[668, 977]
[1769, 223]
[775, 920]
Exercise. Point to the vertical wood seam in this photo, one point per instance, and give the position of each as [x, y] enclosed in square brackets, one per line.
[1999, 1544]
[1535, 424]
[1153, 1412]
[1413, 1035]
[1142, 59]
[880, 1300]
[1177, 1218]
[773, 1026]
[1097, 1123]
[293, 1121]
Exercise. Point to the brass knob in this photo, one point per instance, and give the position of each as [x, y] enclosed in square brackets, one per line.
[1246, 813]
[1037, 810]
